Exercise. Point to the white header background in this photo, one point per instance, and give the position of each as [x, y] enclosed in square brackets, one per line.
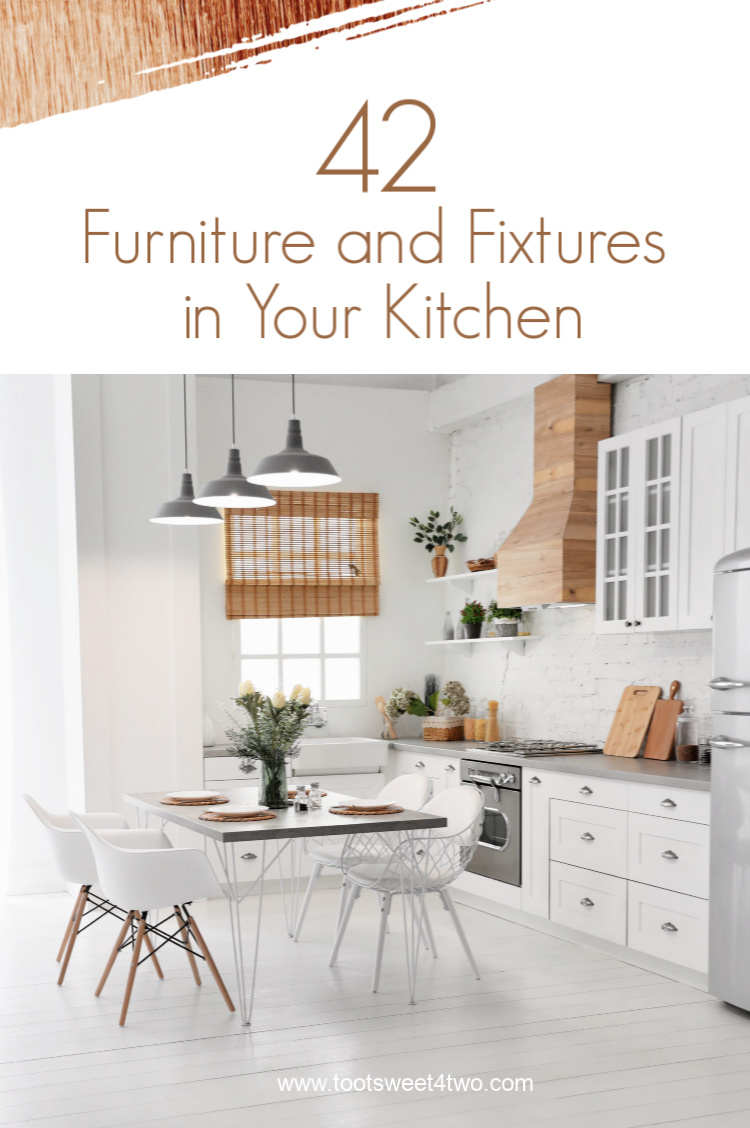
[597, 116]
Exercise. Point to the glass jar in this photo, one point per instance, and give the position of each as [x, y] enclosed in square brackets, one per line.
[300, 800]
[480, 725]
[686, 736]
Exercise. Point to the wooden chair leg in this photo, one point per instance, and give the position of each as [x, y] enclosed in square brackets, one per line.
[152, 953]
[133, 968]
[70, 925]
[75, 925]
[185, 935]
[209, 960]
[113, 957]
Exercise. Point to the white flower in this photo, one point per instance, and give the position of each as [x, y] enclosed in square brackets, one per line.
[245, 688]
[296, 690]
[278, 700]
[304, 696]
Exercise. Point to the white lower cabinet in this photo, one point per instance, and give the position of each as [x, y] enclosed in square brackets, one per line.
[591, 902]
[670, 925]
[668, 853]
[441, 771]
[623, 862]
[593, 837]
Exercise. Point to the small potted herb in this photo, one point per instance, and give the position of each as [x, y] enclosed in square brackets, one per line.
[439, 537]
[472, 617]
[506, 618]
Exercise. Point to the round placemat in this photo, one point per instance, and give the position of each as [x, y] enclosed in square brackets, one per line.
[208, 816]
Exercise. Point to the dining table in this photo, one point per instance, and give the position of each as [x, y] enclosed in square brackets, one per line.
[275, 838]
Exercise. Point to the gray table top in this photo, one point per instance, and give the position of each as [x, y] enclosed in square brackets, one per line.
[288, 823]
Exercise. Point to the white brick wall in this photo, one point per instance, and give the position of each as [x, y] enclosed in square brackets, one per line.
[568, 684]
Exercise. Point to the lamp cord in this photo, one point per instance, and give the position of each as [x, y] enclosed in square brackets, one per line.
[294, 397]
[233, 438]
[184, 414]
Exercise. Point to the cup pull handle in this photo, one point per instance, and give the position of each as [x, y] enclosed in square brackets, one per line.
[586, 837]
[669, 927]
[667, 803]
[588, 902]
[585, 791]
[670, 855]
[535, 779]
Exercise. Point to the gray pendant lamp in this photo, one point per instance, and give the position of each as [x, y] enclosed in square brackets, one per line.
[234, 491]
[183, 510]
[294, 467]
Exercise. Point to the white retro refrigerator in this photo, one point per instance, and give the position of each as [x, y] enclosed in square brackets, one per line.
[729, 932]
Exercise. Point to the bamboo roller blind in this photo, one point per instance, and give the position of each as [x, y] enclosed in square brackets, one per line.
[310, 554]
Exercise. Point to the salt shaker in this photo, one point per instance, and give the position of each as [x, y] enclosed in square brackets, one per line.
[315, 798]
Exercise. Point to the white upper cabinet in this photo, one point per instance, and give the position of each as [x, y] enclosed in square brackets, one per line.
[737, 508]
[638, 507]
[672, 499]
[702, 512]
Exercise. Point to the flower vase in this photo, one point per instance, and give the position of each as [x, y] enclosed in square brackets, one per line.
[439, 562]
[273, 791]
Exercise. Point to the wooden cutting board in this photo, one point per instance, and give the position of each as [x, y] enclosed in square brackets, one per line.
[632, 719]
[660, 742]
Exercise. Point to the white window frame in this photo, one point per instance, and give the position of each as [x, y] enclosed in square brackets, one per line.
[328, 703]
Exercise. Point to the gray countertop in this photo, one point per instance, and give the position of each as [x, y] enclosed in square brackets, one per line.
[636, 770]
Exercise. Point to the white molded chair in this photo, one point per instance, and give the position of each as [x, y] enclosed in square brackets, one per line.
[424, 862]
[410, 791]
[141, 880]
[75, 864]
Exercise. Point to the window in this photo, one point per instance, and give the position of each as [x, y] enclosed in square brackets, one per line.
[322, 653]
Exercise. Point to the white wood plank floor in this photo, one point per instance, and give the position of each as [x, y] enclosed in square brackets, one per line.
[605, 1044]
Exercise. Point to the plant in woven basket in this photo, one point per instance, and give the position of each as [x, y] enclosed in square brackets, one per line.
[438, 537]
[269, 735]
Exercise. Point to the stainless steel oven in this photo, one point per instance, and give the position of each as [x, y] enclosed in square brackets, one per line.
[498, 854]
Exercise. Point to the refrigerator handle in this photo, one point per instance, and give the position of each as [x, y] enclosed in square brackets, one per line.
[727, 683]
[726, 742]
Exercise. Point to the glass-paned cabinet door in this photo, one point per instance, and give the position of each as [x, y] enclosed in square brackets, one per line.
[657, 480]
[614, 559]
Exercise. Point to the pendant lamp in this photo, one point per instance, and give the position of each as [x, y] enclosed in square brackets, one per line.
[183, 510]
[234, 491]
[294, 467]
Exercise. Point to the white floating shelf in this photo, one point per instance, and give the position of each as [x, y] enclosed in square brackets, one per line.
[462, 577]
[512, 640]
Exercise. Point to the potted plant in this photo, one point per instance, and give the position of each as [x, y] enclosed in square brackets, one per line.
[442, 711]
[270, 736]
[506, 618]
[472, 617]
[438, 537]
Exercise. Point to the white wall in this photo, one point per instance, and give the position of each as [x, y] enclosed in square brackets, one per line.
[568, 684]
[139, 591]
[378, 439]
[39, 671]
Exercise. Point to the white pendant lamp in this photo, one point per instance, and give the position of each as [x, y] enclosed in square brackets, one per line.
[234, 491]
[183, 510]
[294, 467]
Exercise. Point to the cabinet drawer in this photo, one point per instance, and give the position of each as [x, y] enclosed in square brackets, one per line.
[670, 925]
[670, 802]
[225, 767]
[668, 852]
[583, 789]
[408, 763]
[593, 837]
[591, 902]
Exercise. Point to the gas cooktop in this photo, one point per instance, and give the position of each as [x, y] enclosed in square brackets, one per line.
[537, 747]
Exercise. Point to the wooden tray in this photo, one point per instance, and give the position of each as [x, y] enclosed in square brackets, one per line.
[194, 802]
[210, 816]
[342, 810]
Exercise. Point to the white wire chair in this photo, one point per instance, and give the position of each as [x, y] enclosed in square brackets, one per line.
[413, 864]
[410, 791]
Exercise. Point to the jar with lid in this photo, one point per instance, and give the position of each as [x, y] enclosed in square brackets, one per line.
[315, 797]
[686, 736]
[300, 799]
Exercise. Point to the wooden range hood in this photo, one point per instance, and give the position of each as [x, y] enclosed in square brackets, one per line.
[550, 556]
